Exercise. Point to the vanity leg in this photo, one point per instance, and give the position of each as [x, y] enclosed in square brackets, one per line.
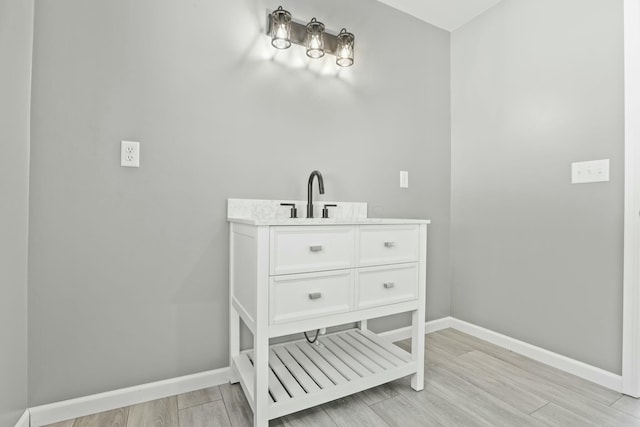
[418, 317]
[261, 391]
[261, 334]
[363, 325]
[234, 318]
[417, 349]
[234, 343]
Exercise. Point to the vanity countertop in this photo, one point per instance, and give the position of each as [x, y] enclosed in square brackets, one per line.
[327, 221]
[270, 212]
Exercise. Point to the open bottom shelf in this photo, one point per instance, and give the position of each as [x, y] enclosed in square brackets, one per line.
[302, 375]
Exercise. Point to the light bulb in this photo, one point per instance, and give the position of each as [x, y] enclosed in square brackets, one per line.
[282, 32]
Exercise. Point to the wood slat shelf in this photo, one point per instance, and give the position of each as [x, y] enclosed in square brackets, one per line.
[303, 375]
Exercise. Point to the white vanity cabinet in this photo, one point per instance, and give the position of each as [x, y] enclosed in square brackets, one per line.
[287, 277]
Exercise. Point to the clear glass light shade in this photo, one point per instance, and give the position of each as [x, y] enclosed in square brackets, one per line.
[344, 49]
[280, 28]
[315, 39]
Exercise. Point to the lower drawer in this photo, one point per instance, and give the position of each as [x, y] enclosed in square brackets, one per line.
[305, 296]
[387, 285]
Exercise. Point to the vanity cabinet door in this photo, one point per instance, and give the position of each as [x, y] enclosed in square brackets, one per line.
[305, 296]
[388, 244]
[308, 249]
[386, 285]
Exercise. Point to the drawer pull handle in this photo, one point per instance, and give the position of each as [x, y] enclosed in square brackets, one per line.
[389, 244]
[389, 285]
[315, 248]
[315, 295]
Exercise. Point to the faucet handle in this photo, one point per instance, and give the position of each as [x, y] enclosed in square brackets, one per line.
[325, 210]
[294, 211]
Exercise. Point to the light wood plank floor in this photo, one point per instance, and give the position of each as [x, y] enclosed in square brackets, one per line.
[468, 382]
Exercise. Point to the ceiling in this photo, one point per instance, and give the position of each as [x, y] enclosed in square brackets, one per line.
[445, 14]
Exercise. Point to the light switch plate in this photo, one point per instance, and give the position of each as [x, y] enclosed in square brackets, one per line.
[130, 154]
[588, 172]
[404, 179]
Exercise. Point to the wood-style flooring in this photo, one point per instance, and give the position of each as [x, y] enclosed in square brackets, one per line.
[468, 382]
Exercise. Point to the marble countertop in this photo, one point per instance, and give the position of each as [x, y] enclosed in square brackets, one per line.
[269, 212]
[327, 221]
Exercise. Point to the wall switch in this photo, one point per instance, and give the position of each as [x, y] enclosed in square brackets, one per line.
[404, 179]
[130, 154]
[592, 171]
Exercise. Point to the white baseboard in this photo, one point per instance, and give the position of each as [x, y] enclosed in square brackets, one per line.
[429, 327]
[82, 406]
[437, 325]
[572, 366]
[24, 420]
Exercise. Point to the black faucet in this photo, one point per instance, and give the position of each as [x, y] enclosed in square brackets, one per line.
[310, 191]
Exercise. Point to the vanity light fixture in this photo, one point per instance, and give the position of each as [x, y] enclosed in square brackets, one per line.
[284, 31]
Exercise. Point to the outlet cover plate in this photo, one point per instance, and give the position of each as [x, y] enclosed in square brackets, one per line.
[130, 154]
[591, 171]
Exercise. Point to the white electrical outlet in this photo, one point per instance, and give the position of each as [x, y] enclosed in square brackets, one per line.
[130, 154]
[404, 179]
[593, 171]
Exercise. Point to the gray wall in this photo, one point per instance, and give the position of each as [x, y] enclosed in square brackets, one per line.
[16, 32]
[129, 267]
[537, 85]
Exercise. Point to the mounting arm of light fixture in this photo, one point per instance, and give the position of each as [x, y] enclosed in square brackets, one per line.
[284, 31]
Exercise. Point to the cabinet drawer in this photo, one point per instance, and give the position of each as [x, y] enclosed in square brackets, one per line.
[388, 244]
[387, 285]
[304, 296]
[307, 249]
